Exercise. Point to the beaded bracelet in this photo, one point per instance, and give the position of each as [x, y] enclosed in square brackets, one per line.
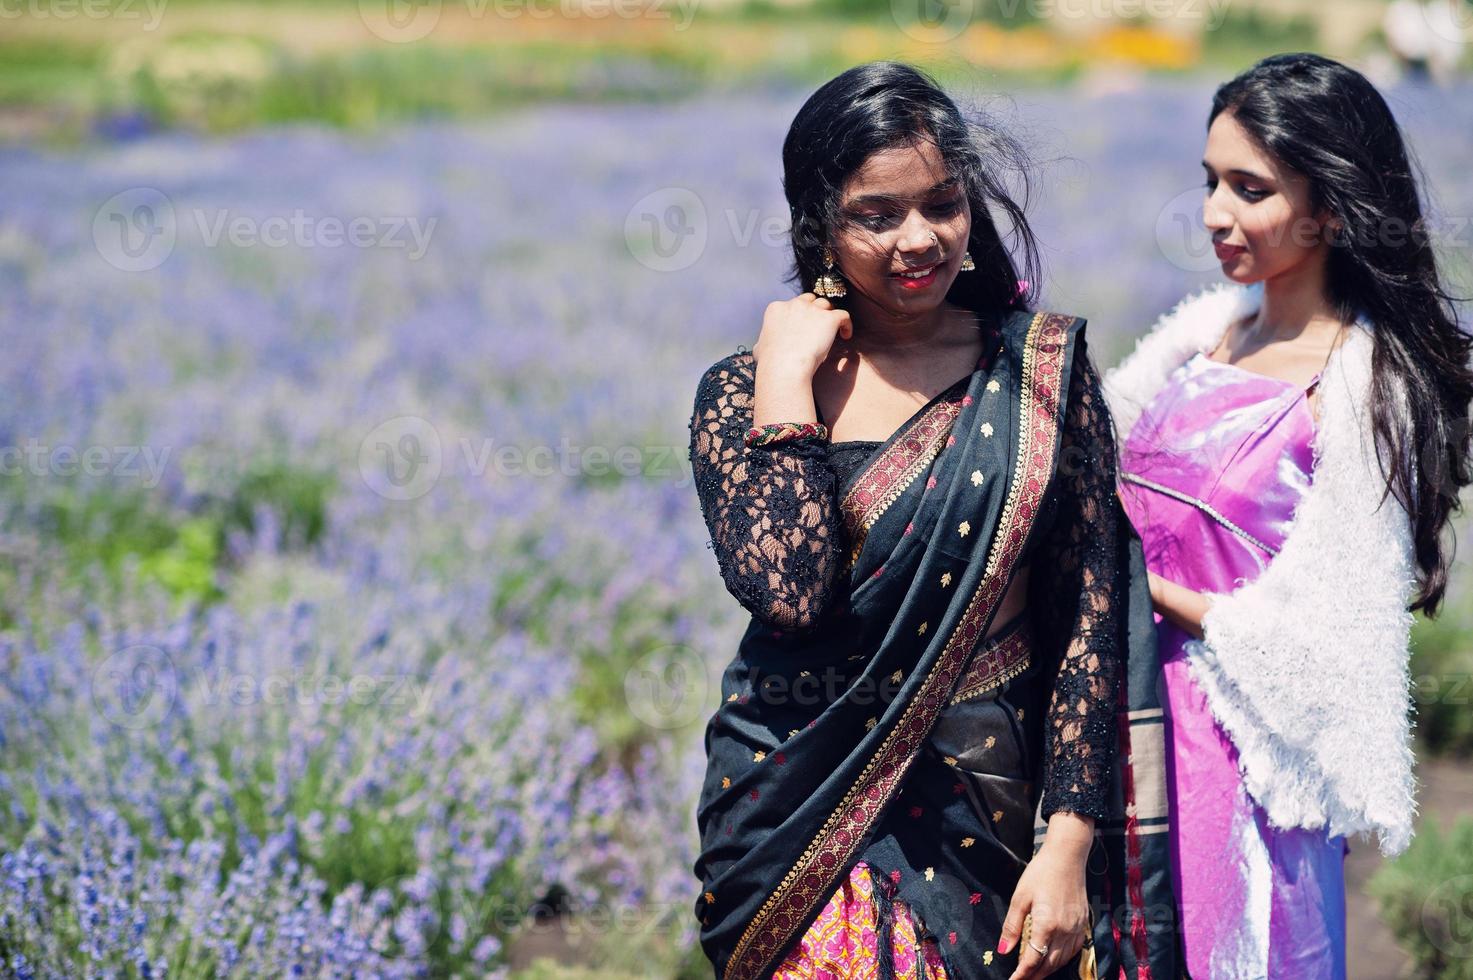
[761, 435]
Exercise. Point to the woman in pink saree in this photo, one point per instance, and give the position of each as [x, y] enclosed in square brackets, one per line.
[1212, 473]
[1291, 447]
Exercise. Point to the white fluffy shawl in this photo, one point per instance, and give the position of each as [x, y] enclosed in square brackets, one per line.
[1306, 667]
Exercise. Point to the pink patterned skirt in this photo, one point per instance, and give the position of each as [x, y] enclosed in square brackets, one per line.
[843, 942]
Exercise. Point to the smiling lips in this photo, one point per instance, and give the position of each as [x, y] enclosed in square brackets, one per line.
[909, 280]
[1225, 251]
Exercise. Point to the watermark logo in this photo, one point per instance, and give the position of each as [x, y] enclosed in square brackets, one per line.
[1450, 20]
[1182, 235]
[935, 21]
[399, 21]
[401, 459]
[667, 687]
[667, 230]
[135, 231]
[1447, 916]
[135, 687]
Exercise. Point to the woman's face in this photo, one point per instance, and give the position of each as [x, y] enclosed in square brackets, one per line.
[1257, 209]
[904, 212]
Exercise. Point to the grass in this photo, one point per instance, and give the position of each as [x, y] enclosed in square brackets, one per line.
[1442, 681]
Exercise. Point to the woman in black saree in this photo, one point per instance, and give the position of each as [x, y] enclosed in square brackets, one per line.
[938, 749]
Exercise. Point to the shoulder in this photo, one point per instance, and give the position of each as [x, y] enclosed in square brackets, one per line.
[1042, 343]
[1023, 328]
[1345, 391]
[1346, 432]
[1349, 470]
[1205, 315]
[739, 361]
[1349, 364]
[736, 372]
[1049, 337]
[1195, 323]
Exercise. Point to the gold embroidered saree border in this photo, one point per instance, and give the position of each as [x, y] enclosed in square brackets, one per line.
[994, 666]
[887, 478]
[810, 879]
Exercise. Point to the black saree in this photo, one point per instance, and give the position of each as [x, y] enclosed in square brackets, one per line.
[855, 741]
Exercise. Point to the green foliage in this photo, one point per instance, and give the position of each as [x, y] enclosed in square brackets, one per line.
[1426, 897]
[107, 525]
[221, 82]
[298, 497]
[1442, 679]
[122, 530]
[186, 566]
[39, 71]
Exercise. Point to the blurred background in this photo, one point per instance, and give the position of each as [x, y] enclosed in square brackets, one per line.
[356, 613]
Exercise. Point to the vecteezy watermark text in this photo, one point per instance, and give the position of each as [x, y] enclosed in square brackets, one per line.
[402, 22]
[136, 230]
[36, 458]
[218, 688]
[151, 11]
[138, 686]
[404, 457]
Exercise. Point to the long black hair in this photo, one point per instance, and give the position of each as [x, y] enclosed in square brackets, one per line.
[1329, 123]
[887, 104]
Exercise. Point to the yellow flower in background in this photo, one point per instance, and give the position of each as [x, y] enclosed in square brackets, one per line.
[1144, 47]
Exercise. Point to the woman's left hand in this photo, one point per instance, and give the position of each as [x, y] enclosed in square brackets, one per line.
[1052, 889]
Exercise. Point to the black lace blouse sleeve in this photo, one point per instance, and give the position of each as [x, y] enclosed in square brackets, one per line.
[771, 509]
[1075, 579]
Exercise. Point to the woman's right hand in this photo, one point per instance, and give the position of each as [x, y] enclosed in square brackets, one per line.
[798, 333]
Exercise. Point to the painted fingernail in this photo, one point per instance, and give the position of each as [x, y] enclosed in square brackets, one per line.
[1002, 945]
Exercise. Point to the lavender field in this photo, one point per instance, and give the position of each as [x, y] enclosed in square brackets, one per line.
[354, 598]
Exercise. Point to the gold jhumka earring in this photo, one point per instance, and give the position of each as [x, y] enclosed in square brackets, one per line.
[829, 285]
